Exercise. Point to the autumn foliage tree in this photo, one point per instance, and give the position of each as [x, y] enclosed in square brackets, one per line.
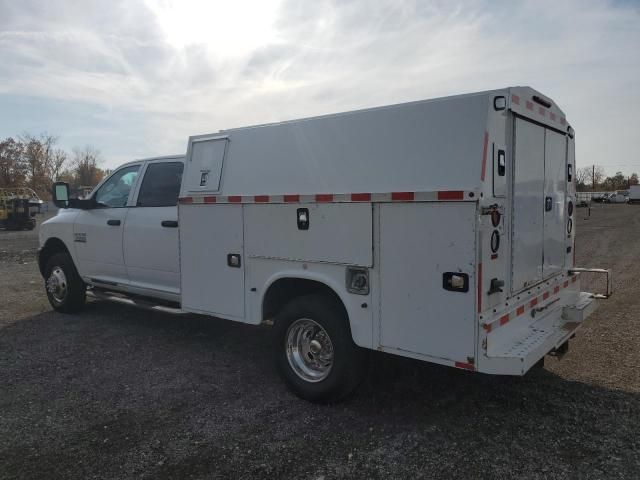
[36, 162]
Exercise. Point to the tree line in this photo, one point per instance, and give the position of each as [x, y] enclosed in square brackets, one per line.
[593, 179]
[35, 161]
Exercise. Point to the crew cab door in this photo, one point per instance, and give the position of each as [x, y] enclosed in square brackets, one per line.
[98, 231]
[151, 229]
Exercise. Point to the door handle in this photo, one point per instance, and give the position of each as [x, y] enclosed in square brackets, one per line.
[169, 223]
[113, 223]
[548, 204]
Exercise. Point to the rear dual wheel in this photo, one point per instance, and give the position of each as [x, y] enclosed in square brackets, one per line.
[314, 351]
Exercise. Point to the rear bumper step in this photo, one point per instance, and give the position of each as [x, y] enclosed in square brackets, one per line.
[527, 344]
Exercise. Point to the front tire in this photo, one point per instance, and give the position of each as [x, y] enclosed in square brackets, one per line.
[65, 289]
[314, 351]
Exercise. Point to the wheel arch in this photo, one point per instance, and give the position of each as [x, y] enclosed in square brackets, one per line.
[52, 246]
[282, 288]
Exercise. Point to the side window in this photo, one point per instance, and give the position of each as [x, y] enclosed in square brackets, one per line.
[160, 185]
[114, 192]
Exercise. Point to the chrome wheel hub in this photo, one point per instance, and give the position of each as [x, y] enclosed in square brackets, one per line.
[309, 350]
[57, 284]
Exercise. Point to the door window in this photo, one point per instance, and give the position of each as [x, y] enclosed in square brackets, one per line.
[161, 185]
[115, 191]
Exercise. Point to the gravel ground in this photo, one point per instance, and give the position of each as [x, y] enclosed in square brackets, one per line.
[119, 393]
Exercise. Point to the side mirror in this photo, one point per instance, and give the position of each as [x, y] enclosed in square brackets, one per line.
[60, 194]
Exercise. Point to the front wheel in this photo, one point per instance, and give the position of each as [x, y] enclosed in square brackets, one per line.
[314, 352]
[65, 289]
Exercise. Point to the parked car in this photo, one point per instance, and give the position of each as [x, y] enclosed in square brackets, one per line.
[616, 198]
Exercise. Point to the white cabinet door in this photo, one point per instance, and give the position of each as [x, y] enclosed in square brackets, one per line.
[528, 205]
[419, 242]
[209, 234]
[555, 219]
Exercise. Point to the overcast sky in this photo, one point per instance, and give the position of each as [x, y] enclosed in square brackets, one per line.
[135, 78]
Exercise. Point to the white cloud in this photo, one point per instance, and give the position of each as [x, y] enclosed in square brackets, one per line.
[198, 66]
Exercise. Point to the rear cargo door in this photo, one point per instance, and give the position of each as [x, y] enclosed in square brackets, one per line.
[539, 204]
[528, 204]
[555, 182]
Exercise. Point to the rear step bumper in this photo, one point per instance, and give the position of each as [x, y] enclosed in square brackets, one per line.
[527, 344]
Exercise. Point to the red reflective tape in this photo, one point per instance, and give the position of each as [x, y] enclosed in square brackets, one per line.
[292, 198]
[402, 196]
[466, 366]
[479, 287]
[533, 303]
[484, 155]
[494, 256]
[261, 198]
[451, 195]
[541, 111]
[566, 283]
[529, 105]
[487, 327]
[324, 197]
[210, 199]
[520, 310]
[515, 99]
[186, 200]
[545, 295]
[553, 116]
[556, 290]
[360, 197]
[504, 319]
[234, 199]
[574, 278]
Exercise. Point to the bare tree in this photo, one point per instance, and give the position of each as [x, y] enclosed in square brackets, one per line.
[633, 179]
[58, 163]
[85, 166]
[583, 175]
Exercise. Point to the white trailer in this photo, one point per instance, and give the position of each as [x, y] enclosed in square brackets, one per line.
[634, 194]
[440, 230]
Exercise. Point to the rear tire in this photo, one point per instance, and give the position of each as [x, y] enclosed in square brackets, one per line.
[314, 351]
[65, 289]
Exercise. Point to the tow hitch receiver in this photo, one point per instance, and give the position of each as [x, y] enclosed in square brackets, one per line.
[560, 351]
[600, 271]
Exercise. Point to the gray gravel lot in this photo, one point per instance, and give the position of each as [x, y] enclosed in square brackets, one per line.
[117, 392]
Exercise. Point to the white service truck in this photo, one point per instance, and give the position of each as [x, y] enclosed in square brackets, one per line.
[441, 230]
[634, 194]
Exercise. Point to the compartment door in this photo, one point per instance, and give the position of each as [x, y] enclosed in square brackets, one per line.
[555, 219]
[528, 205]
[419, 242]
[203, 168]
[208, 235]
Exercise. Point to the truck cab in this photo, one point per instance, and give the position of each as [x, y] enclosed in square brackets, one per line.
[123, 237]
